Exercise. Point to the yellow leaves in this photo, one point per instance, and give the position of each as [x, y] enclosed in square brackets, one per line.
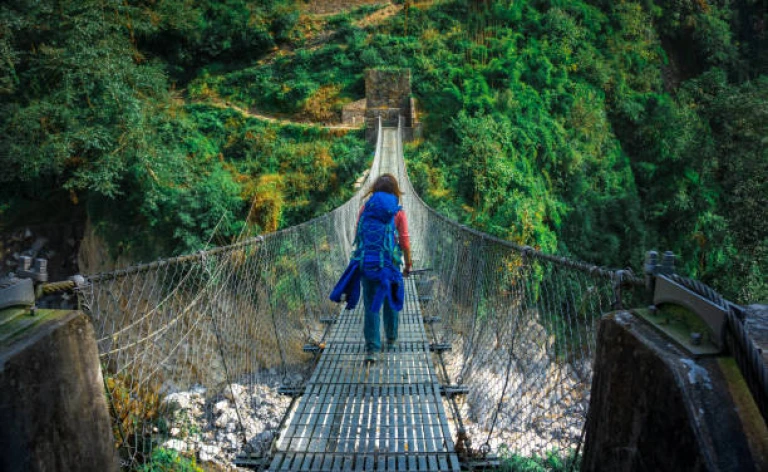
[298, 183]
[154, 16]
[512, 267]
[238, 257]
[152, 174]
[232, 125]
[133, 404]
[323, 158]
[439, 193]
[267, 200]
[337, 132]
[437, 188]
[308, 26]
[203, 91]
[263, 141]
[233, 122]
[320, 105]
[429, 35]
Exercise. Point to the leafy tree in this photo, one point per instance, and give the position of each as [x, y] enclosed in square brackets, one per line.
[594, 128]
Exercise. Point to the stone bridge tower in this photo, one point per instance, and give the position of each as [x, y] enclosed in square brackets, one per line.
[388, 94]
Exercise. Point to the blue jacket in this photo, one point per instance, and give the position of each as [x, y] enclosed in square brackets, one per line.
[375, 261]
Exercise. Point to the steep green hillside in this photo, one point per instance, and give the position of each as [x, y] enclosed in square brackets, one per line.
[598, 129]
[92, 113]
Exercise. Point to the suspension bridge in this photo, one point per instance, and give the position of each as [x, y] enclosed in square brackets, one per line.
[495, 350]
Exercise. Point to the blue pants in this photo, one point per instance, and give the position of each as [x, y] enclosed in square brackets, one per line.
[371, 323]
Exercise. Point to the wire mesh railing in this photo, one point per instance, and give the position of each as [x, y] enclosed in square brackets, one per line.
[195, 347]
[522, 328]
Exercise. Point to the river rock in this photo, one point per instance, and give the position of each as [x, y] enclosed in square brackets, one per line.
[176, 444]
[208, 452]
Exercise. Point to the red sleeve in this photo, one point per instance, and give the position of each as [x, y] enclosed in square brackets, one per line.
[401, 223]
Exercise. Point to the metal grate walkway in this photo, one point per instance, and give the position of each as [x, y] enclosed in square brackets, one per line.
[385, 416]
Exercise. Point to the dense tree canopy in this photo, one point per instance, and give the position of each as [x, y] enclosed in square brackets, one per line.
[598, 129]
[89, 113]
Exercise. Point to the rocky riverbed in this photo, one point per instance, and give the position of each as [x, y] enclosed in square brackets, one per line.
[522, 397]
[215, 428]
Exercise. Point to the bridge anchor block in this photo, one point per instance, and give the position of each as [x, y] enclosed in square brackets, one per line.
[252, 461]
[439, 347]
[314, 348]
[451, 390]
[290, 391]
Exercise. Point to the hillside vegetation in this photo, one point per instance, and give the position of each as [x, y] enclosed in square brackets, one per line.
[93, 113]
[597, 129]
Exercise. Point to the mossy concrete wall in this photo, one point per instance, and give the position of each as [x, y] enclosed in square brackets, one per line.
[655, 408]
[388, 88]
[353, 114]
[53, 412]
[388, 95]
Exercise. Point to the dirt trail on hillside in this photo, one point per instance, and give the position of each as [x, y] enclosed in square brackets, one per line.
[253, 113]
[320, 9]
[334, 7]
[317, 39]
[379, 16]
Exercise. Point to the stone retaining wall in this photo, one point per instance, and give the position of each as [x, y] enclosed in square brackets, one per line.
[353, 114]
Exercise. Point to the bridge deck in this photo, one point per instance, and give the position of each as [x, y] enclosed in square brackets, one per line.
[359, 416]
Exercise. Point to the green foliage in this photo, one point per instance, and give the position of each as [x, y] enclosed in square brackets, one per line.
[168, 460]
[596, 129]
[508, 195]
[190, 34]
[78, 116]
[551, 462]
[85, 109]
[551, 123]
[132, 405]
[237, 172]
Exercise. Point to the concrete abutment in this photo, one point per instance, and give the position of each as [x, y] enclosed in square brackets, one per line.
[53, 411]
[654, 407]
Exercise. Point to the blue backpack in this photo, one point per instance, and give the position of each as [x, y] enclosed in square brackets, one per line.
[376, 239]
[377, 256]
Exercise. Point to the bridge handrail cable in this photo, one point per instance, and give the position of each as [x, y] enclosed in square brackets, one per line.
[625, 276]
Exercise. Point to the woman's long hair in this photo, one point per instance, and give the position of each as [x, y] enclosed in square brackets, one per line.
[385, 183]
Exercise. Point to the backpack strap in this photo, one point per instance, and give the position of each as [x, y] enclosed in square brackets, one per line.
[389, 251]
[359, 250]
[392, 248]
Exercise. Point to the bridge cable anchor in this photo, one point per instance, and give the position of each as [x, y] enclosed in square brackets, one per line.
[694, 322]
